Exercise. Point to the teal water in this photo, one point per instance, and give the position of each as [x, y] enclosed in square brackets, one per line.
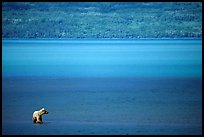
[102, 86]
[102, 58]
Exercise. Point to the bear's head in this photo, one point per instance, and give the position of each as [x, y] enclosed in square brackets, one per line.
[43, 111]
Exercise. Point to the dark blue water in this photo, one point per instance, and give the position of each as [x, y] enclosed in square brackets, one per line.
[102, 86]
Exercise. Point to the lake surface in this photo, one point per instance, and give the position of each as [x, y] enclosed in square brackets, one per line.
[102, 86]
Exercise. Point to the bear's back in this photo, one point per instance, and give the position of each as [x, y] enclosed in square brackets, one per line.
[35, 113]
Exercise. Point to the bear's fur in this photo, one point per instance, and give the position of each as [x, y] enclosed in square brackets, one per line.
[37, 116]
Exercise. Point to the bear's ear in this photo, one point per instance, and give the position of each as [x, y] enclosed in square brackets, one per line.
[42, 109]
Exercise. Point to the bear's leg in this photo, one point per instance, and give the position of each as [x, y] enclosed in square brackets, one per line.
[34, 120]
[39, 120]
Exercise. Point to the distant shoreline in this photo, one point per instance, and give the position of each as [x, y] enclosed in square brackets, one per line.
[109, 20]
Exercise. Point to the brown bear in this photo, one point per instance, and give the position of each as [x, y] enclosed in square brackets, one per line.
[37, 116]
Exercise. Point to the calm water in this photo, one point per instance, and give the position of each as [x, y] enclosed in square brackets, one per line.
[102, 86]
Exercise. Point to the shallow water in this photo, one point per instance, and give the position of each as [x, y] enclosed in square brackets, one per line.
[101, 58]
[102, 87]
